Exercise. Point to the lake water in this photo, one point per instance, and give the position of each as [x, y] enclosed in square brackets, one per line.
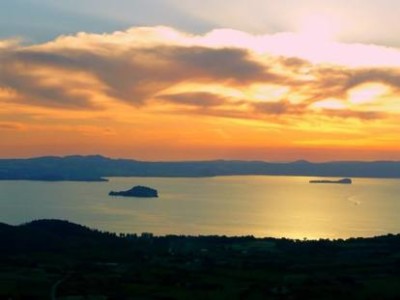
[233, 205]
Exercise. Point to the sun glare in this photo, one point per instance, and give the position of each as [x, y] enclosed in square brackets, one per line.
[330, 103]
[319, 27]
[367, 93]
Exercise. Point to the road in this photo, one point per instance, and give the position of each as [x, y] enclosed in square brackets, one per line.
[53, 292]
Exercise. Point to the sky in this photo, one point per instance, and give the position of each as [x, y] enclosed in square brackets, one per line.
[196, 80]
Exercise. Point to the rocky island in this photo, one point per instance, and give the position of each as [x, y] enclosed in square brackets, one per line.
[340, 181]
[137, 191]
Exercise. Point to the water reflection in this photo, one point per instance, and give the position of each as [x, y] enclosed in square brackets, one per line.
[236, 205]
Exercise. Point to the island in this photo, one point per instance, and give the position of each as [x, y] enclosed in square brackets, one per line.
[340, 181]
[137, 191]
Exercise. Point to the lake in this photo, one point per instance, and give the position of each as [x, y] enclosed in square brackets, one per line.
[228, 205]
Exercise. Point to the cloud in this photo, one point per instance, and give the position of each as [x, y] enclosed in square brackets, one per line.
[388, 76]
[143, 73]
[362, 115]
[197, 99]
[33, 80]
[273, 16]
[283, 107]
[230, 73]
[9, 43]
[133, 76]
[11, 126]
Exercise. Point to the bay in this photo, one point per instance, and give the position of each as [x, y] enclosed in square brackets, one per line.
[233, 205]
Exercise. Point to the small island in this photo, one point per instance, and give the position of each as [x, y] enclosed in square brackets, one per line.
[136, 191]
[340, 181]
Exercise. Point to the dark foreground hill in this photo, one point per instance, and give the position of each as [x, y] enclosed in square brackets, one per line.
[52, 259]
[96, 168]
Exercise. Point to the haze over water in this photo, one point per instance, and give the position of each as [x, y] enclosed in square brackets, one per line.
[236, 205]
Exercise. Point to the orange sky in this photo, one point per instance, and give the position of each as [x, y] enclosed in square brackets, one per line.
[156, 93]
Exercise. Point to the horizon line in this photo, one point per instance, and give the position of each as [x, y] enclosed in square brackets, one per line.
[300, 160]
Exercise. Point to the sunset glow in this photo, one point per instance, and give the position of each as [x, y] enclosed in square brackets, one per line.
[157, 92]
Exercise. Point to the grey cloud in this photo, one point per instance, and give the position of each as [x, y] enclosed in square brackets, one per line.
[146, 72]
[282, 107]
[10, 126]
[199, 99]
[226, 64]
[30, 90]
[293, 62]
[389, 76]
[335, 82]
[363, 115]
[133, 76]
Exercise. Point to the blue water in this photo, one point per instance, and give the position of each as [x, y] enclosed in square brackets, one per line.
[235, 205]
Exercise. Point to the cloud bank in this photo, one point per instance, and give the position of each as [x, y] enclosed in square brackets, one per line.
[270, 74]
[179, 90]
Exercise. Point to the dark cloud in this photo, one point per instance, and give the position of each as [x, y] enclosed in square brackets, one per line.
[293, 62]
[198, 99]
[66, 60]
[142, 73]
[347, 113]
[226, 64]
[336, 82]
[133, 76]
[21, 72]
[282, 107]
[327, 82]
[152, 70]
[388, 76]
[137, 73]
[32, 92]
[10, 126]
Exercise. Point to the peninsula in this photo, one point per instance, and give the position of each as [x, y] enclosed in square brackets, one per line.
[99, 168]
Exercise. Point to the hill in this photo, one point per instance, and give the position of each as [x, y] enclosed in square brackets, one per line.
[53, 257]
[96, 168]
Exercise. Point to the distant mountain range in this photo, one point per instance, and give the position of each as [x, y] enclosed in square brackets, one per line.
[97, 168]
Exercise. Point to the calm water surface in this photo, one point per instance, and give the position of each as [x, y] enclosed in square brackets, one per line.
[234, 205]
